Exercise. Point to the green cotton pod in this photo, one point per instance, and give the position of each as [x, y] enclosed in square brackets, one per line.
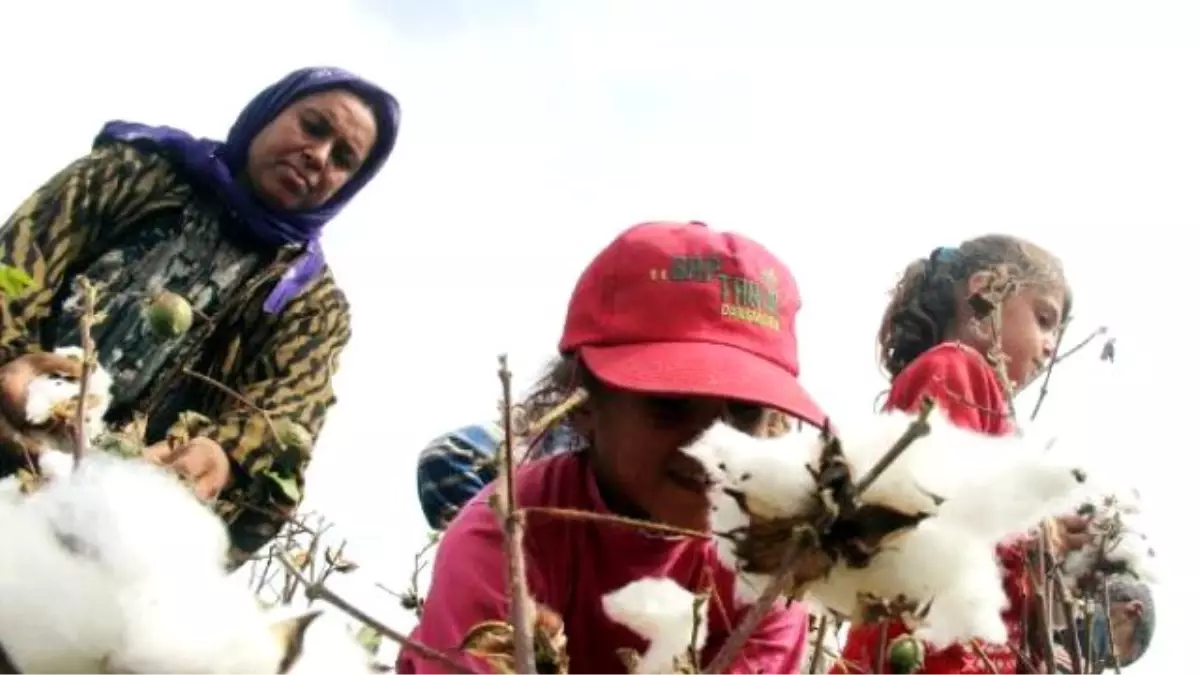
[169, 315]
[906, 654]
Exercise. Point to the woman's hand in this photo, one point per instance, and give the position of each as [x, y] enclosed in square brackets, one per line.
[1068, 533]
[16, 375]
[201, 460]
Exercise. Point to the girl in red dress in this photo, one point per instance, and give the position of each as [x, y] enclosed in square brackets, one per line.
[930, 344]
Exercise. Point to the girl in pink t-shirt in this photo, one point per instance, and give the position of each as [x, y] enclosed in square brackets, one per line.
[671, 327]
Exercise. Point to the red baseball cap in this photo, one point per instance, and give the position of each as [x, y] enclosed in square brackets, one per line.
[678, 308]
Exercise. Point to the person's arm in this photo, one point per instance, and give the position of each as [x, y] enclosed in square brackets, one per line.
[468, 586]
[66, 218]
[291, 381]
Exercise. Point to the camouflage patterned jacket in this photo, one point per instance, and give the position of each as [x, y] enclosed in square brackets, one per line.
[124, 219]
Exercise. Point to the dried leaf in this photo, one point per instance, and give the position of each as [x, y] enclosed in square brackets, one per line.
[121, 444]
[369, 638]
[136, 427]
[293, 436]
[338, 563]
[29, 480]
[299, 558]
[629, 658]
[14, 282]
[488, 636]
[193, 422]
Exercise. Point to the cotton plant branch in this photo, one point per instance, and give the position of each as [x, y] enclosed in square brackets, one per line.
[1055, 359]
[411, 598]
[319, 591]
[503, 502]
[86, 319]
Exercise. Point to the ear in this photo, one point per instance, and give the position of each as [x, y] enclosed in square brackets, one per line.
[1133, 609]
[977, 283]
[289, 633]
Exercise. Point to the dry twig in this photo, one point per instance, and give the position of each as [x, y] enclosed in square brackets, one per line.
[85, 337]
[321, 592]
[503, 501]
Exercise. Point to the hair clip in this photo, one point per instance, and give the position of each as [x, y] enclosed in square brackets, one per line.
[943, 254]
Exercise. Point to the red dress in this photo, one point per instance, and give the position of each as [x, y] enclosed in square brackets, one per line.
[964, 386]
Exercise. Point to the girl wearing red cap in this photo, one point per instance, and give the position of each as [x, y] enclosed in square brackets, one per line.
[669, 328]
[931, 346]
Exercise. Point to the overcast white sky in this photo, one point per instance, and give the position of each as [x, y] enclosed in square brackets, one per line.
[850, 137]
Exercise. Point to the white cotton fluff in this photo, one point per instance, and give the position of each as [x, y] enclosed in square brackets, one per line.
[48, 390]
[1119, 540]
[664, 614]
[116, 567]
[990, 488]
[773, 475]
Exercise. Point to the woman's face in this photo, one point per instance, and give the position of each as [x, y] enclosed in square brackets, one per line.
[305, 155]
[636, 440]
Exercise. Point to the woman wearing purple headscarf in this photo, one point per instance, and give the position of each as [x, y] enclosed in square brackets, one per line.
[233, 228]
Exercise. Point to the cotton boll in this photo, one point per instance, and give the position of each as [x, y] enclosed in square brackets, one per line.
[664, 614]
[193, 624]
[47, 393]
[978, 490]
[770, 475]
[55, 464]
[1119, 543]
[1014, 495]
[58, 611]
[115, 508]
[933, 562]
[771, 472]
[44, 394]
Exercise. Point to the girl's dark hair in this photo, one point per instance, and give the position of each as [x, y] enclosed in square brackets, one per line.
[924, 304]
[565, 374]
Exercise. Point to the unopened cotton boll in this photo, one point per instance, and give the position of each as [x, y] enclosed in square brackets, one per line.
[664, 614]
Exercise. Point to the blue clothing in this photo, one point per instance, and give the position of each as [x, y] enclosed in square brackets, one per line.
[454, 467]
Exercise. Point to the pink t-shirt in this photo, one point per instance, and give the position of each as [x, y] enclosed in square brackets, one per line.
[571, 565]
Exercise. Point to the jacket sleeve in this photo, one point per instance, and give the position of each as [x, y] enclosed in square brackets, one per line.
[65, 219]
[291, 382]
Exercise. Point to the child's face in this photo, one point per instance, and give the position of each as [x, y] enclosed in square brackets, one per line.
[1029, 327]
[636, 439]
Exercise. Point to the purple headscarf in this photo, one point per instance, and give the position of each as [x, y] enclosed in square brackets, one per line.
[216, 165]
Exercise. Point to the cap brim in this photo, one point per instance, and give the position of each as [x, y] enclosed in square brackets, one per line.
[701, 369]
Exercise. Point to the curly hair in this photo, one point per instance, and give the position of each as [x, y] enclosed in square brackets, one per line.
[924, 303]
[567, 374]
